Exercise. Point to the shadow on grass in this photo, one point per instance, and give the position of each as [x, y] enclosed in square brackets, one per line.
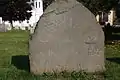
[111, 34]
[21, 62]
[115, 59]
[114, 37]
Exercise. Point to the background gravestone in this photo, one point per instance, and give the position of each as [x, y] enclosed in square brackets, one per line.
[2, 27]
[67, 37]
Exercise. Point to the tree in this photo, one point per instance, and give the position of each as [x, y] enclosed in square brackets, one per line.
[99, 5]
[17, 10]
[46, 3]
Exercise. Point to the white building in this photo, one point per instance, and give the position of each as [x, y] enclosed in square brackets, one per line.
[106, 17]
[37, 11]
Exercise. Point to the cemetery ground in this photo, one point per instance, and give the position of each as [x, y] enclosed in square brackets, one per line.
[14, 63]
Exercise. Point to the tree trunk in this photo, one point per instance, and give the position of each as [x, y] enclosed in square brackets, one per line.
[11, 24]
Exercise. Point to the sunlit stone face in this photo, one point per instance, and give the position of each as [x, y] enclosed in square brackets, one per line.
[67, 37]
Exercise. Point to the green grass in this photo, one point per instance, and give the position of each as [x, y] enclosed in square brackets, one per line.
[12, 44]
[14, 61]
[112, 62]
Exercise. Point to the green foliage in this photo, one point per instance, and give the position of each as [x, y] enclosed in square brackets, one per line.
[99, 5]
[17, 10]
[46, 3]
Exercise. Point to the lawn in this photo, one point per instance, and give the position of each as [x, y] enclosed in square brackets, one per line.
[112, 62]
[14, 61]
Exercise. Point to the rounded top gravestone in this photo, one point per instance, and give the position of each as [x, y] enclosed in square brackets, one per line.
[67, 37]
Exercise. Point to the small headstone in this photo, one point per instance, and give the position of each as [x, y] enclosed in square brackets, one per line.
[0, 20]
[67, 37]
[2, 27]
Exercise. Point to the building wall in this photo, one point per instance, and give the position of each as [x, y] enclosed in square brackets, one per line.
[110, 17]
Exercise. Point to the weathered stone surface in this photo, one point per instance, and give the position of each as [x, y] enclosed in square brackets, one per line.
[67, 37]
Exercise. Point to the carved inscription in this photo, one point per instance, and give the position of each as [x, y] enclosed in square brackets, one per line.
[51, 26]
[92, 48]
[51, 53]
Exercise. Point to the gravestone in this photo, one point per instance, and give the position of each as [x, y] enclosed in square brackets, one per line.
[2, 27]
[67, 37]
